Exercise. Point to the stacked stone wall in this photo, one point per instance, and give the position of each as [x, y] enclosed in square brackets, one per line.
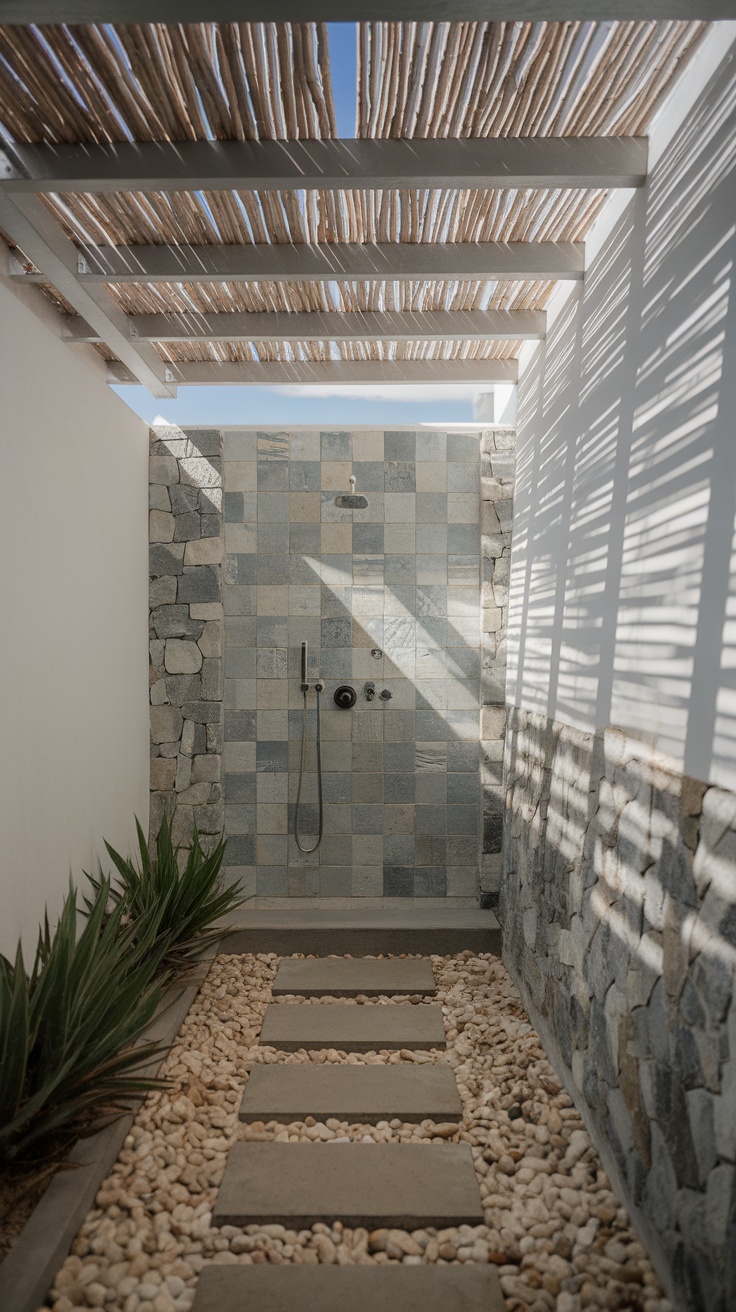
[186, 631]
[497, 491]
[618, 907]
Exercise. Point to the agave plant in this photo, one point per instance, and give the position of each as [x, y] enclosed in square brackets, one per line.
[67, 1028]
[183, 905]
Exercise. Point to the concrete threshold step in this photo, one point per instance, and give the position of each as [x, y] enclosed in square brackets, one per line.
[322, 931]
[350, 976]
[460, 1288]
[368, 1184]
[352, 1028]
[358, 1094]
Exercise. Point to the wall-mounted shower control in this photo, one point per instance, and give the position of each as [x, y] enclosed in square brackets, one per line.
[385, 695]
[345, 697]
[370, 691]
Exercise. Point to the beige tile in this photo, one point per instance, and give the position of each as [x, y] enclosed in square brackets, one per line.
[240, 476]
[272, 600]
[431, 476]
[336, 475]
[398, 539]
[337, 539]
[368, 445]
[304, 507]
[271, 818]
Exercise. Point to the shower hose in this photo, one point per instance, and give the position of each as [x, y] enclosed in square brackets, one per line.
[302, 765]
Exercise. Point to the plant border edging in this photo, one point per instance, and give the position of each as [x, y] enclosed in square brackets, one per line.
[28, 1271]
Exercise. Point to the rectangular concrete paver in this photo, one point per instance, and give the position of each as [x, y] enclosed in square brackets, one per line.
[294, 1288]
[352, 1028]
[407, 1185]
[349, 976]
[359, 1094]
[323, 929]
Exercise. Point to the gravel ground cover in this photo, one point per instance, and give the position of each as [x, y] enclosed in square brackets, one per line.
[553, 1227]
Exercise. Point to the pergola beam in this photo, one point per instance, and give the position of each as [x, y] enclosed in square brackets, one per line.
[333, 372]
[28, 223]
[345, 11]
[327, 165]
[334, 261]
[368, 326]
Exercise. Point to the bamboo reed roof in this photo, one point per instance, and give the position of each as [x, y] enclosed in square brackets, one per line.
[271, 81]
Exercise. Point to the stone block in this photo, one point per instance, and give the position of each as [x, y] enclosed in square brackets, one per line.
[184, 500]
[212, 688]
[182, 657]
[196, 794]
[166, 558]
[210, 819]
[206, 768]
[166, 724]
[492, 722]
[158, 497]
[204, 551]
[352, 1029]
[163, 774]
[174, 622]
[183, 773]
[346, 977]
[181, 688]
[210, 643]
[198, 471]
[163, 469]
[162, 591]
[353, 1093]
[207, 610]
[160, 526]
[188, 527]
[199, 583]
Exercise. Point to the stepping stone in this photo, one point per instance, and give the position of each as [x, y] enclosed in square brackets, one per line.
[358, 1094]
[351, 1028]
[347, 977]
[469, 1287]
[404, 1185]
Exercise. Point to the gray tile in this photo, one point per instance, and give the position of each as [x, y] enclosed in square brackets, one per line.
[303, 882]
[465, 660]
[233, 508]
[272, 755]
[431, 600]
[335, 881]
[399, 758]
[431, 726]
[368, 539]
[240, 727]
[463, 756]
[336, 445]
[273, 507]
[367, 819]
[431, 508]
[463, 477]
[271, 849]
[400, 476]
[430, 850]
[271, 569]
[273, 538]
[461, 850]
[337, 785]
[304, 476]
[336, 632]
[272, 631]
[369, 475]
[398, 788]
[462, 539]
[398, 849]
[367, 756]
[370, 788]
[431, 538]
[305, 539]
[398, 726]
[430, 882]
[272, 881]
[431, 788]
[240, 663]
[463, 789]
[398, 445]
[398, 881]
[335, 850]
[271, 663]
[240, 850]
[240, 788]
[431, 819]
[463, 447]
[463, 819]
[399, 569]
[431, 446]
[336, 663]
[273, 476]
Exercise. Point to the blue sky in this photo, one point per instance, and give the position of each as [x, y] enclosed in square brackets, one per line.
[256, 405]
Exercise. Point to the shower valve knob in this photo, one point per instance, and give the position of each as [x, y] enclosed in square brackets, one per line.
[345, 697]
[385, 695]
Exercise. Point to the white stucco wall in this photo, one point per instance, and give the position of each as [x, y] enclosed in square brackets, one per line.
[73, 602]
[623, 582]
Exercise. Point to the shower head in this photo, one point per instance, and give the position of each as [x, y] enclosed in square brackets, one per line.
[351, 501]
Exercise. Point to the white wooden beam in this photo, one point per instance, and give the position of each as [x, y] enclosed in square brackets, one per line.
[28, 223]
[333, 261]
[348, 11]
[393, 325]
[333, 372]
[328, 165]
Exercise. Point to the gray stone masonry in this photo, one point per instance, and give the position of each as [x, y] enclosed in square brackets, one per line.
[618, 910]
[186, 631]
[497, 457]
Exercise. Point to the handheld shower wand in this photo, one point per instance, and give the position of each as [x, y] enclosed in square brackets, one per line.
[318, 688]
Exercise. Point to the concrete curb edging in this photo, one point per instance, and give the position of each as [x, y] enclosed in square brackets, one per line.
[28, 1271]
